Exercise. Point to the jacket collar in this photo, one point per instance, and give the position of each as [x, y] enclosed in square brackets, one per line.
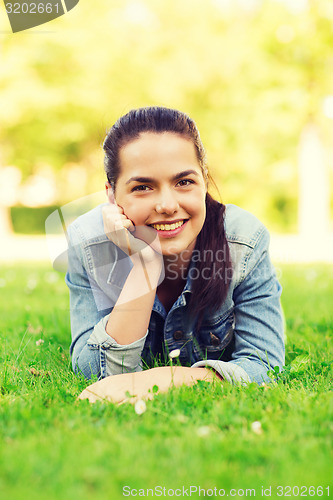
[181, 301]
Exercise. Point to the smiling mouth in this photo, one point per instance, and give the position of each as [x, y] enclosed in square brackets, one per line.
[168, 227]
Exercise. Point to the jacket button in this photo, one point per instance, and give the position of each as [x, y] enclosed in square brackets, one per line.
[215, 341]
[178, 335]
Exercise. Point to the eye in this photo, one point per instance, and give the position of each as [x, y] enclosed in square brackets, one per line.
[140, 187]
[185, 182]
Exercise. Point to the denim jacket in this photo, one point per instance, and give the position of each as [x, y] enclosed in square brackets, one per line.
[241, 341]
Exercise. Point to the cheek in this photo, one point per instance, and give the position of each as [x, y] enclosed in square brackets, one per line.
[137, 211]
[200, 216]
[197, 207]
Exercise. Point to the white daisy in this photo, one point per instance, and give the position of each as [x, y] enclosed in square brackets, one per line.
[256, 427]
[140, 407]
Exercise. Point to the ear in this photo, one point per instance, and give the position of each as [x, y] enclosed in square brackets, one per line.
[109, 192]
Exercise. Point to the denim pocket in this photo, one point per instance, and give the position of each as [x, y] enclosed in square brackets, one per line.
[214, 336]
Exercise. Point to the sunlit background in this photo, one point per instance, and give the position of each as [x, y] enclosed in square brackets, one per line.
[256, 75]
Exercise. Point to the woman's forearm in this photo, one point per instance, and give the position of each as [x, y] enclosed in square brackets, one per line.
[139, 385]
[130, 317]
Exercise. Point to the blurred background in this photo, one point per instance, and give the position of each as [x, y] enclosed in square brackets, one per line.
[256, 76]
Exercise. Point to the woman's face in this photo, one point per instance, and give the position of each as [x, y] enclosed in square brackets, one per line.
[161, 185]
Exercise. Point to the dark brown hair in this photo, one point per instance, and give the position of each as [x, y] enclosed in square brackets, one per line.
[210, 289]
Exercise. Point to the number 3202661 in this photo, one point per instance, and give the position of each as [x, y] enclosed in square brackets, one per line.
[302, 491]
[31, 8]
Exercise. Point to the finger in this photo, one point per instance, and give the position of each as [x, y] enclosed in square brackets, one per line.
[128, 243]
[129, 225]
[121, 222]
[110, 210]
[123, 235]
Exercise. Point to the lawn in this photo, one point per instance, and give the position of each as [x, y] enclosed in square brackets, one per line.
[54, 447]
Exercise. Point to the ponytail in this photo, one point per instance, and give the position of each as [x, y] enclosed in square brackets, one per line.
[214, 267]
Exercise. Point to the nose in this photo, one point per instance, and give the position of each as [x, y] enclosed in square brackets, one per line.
[166, 203]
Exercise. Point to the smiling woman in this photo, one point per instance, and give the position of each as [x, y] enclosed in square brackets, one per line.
[163, 266]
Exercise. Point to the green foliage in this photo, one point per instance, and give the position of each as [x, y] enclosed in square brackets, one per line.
[53, 446]
[29, 220]
[251, 77]
[299, 363]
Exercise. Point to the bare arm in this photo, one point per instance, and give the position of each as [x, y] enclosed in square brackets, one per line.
[130, 317]
[140, 384]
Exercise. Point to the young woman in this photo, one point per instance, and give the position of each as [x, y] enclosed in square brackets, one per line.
[163, 268]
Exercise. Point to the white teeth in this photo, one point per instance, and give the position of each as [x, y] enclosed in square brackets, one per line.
[168, 227]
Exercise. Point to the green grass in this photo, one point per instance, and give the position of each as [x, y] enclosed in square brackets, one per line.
[53, 447]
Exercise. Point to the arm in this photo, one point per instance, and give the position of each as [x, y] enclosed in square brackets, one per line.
[93, 350]
[136, 299]
[85, 316]
[135, 303]
[259, 331]
[140, 384]
[258, 321]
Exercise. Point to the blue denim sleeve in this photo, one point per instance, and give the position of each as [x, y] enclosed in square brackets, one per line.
[93, 351]
[259, 331]
[84, 313]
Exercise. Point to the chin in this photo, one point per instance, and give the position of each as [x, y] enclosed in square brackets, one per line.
[168, 253]
[173, 249]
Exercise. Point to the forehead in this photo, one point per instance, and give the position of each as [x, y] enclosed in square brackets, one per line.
[152, 151]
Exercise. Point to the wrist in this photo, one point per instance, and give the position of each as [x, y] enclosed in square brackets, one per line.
[151, 261]
[147, 270]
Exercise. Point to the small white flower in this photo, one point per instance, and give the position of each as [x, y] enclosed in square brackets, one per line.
[39, 342]
[174, 354]
[203, 431]
[256, 427]
[140, 407]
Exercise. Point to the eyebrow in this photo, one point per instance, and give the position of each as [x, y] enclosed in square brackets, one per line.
[185, 173]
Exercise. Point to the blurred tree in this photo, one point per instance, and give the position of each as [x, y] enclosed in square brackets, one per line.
[251, 74]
